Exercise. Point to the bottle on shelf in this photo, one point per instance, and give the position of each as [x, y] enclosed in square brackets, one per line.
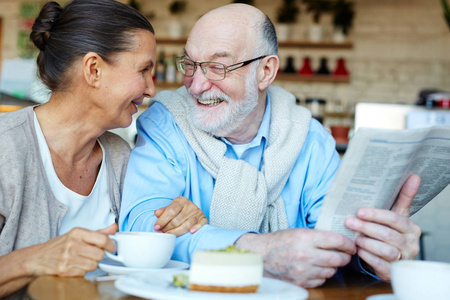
[306, 69]
[341, 69]
[317, 108]
[170, 68]
[323, 68]
[290, 68]
[161, 67]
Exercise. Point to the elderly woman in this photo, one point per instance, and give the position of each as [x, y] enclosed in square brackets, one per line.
[61, 170]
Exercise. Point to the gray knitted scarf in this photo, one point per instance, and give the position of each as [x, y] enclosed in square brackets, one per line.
[245, 198]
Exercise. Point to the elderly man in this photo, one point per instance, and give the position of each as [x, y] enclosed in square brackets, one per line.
[252, 160]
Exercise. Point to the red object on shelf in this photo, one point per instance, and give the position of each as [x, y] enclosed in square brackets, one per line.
[341, 69]
[444, 103]
[306, 69]
[340, 133]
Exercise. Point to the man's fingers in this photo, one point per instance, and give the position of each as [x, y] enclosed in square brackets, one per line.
[406, 195]
[379, 223]
[334, 241]
[379, 265]
[330, 258]
[380, 249]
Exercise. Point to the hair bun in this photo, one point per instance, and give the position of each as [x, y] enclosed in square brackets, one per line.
[40, 34]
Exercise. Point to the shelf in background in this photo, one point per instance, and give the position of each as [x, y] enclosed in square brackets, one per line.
[287, 44]
[341, 115]
[315, 45]
[180, 41]
[168, 85]
[280, 77]
[313, 78]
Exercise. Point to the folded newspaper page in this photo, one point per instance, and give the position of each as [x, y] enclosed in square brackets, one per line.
[375, 166]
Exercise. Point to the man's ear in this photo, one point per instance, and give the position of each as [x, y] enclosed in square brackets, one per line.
[92, 68]
[267, 71]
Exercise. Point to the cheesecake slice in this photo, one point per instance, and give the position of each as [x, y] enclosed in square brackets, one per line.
[230, 270]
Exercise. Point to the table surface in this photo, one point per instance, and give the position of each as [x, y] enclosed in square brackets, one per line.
[351, 286]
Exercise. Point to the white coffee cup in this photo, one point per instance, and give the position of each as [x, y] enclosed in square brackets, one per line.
[419, 280]
[143, 249]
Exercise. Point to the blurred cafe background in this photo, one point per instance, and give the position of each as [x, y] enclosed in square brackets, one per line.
[353, 63]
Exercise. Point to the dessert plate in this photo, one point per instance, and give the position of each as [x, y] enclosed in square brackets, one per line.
[117, 268]
[160, 288]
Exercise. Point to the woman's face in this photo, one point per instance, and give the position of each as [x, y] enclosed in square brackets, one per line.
[128, 80]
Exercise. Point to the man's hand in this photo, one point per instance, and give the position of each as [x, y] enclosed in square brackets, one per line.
[388, 235]
[179, 217]
[305, 257]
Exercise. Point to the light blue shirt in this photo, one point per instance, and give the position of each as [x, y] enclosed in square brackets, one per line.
[163, 166]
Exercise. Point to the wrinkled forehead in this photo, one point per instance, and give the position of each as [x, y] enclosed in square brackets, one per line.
[222, 34]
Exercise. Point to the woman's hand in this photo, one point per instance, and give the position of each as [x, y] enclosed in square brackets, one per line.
[179, 217]
[71, 254]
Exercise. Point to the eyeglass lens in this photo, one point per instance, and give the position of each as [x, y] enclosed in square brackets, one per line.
[211, 70]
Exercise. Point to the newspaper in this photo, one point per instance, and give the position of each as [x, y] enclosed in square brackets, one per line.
[375, 166]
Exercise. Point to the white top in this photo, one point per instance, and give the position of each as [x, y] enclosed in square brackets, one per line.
[93, 211]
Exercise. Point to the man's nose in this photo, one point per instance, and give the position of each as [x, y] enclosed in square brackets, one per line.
[198, 83]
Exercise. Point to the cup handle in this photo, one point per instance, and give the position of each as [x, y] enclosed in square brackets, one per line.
[112, 256]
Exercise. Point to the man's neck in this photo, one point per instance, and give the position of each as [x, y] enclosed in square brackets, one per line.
[245, 133]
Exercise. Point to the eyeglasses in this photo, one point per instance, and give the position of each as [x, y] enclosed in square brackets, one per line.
[211, 70]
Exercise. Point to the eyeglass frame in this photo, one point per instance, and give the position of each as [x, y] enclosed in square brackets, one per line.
[225, 68]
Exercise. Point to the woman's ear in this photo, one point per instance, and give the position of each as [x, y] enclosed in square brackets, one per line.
[267, 71]
[92, 70]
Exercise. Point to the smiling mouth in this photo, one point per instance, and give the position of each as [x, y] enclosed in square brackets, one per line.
[136, 103]
[209, 102]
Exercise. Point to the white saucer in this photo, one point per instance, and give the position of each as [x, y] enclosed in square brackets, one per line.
[117, 268]
[160, 288]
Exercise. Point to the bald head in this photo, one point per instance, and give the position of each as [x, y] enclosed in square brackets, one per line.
[239, 26]
[240, 16]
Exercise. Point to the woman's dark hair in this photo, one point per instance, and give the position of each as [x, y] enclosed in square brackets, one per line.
[63, 35]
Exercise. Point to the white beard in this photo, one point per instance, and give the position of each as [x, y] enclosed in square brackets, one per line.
[226, 119]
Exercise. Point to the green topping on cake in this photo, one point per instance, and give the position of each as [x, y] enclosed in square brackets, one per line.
[231, 249]
[181, 280]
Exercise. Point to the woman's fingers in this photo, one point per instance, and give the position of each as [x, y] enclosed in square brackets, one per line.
[180, 217]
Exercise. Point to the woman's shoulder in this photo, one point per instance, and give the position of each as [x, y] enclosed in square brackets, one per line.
[16, 132]
[11, 120]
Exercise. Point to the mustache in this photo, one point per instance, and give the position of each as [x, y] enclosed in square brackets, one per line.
[210, 95]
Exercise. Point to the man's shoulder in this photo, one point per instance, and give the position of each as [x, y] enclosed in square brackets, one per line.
[157, 115]
[155, 109]
[319, 135]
